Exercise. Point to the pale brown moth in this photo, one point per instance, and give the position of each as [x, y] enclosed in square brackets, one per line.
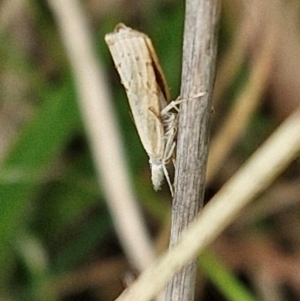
[148, 95]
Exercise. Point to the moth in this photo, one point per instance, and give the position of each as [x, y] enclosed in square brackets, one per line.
[148, 95]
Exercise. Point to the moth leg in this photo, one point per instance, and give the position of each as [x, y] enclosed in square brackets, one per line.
[168, 178]
[174, 103]
[170, 127]
[169, 150]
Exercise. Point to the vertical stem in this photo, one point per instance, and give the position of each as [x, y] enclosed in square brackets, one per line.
[102, 131]
[198, 73]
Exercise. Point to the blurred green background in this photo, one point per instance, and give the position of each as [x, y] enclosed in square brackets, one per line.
[57, 240]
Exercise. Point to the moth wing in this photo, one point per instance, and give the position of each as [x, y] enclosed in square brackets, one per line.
[138, 71]
[160, 76]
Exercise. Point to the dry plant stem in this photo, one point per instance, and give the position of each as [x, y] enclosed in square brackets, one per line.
[255, 176]
[198, 73]
[101, 126]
